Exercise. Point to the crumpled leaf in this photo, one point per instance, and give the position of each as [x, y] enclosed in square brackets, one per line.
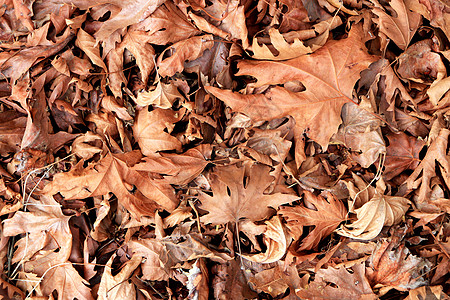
[381, 210]
[347, 284]
[360, 131]
[172, 59]
[238, 195]
[401, 154]
[149, 130]
[422, 175]
[325, 214]
[317, 109]
[392, 265]
[112, 174]
[162, 96]
[275, 240]
[153, 258]
[117, 286]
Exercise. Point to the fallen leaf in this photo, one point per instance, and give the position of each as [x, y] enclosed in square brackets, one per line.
[238, 195]
[325, 214]
[317, 109]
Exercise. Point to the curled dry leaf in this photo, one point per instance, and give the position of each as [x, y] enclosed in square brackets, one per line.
[238, 195]
[393, 266]
[317, 109]
[325, 214]
[275, 240]
[172, 59]
[112, 174]
[381, 210]
[117, 286]
[346, 285]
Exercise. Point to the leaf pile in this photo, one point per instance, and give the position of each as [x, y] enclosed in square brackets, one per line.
[224, 149]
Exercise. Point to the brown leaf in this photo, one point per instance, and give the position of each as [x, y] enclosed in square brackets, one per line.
[422, 175]
[172, 59]
[162, 96]
[401, 154]
[401, 27]
[230, 283]
[346, 285]
[381, 210]
[238, 195]
[113, 174]
[88, 45]
[325, 215]
[317, 109]
[393, 265]
[360, 131]
[117, 286]
[153, 256]
[150, 130]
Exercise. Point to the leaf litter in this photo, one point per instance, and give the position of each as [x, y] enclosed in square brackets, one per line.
[224, 149]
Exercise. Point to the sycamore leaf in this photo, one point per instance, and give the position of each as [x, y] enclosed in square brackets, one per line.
[325, 217]
[172, 59]
[400, 27]
[114, 174]
[275, 240]
[381, 210]
[360, 131]
[422, 175]
[154, 258]
[87, 44]
[346, 285]
[143, 52]
[46, 226]
[117, 286]
[150, 130]
[317, 109]
[393, 265]
[401, 154]
[238, 195]
[162, 96]
[167, 25]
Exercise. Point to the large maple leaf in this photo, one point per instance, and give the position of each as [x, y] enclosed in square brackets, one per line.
[113, 174]
[329, 75]
[237, 196]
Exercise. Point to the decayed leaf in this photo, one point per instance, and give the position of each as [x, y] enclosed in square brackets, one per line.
[422, 175]
[172, 59]
[238, 195]
[381, 210]
[347, 285]
[230, 283]
[401, 154]
[360, 131]
[117, 286]
[271, 281]
[113, 174]
[317, 109]
[393, 266]
[325, 216]
[399, 28]
[149, 130]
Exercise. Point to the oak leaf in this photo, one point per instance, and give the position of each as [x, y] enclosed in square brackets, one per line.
[113, 174]
[317, 109]
[324, 214]
[239, 195]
